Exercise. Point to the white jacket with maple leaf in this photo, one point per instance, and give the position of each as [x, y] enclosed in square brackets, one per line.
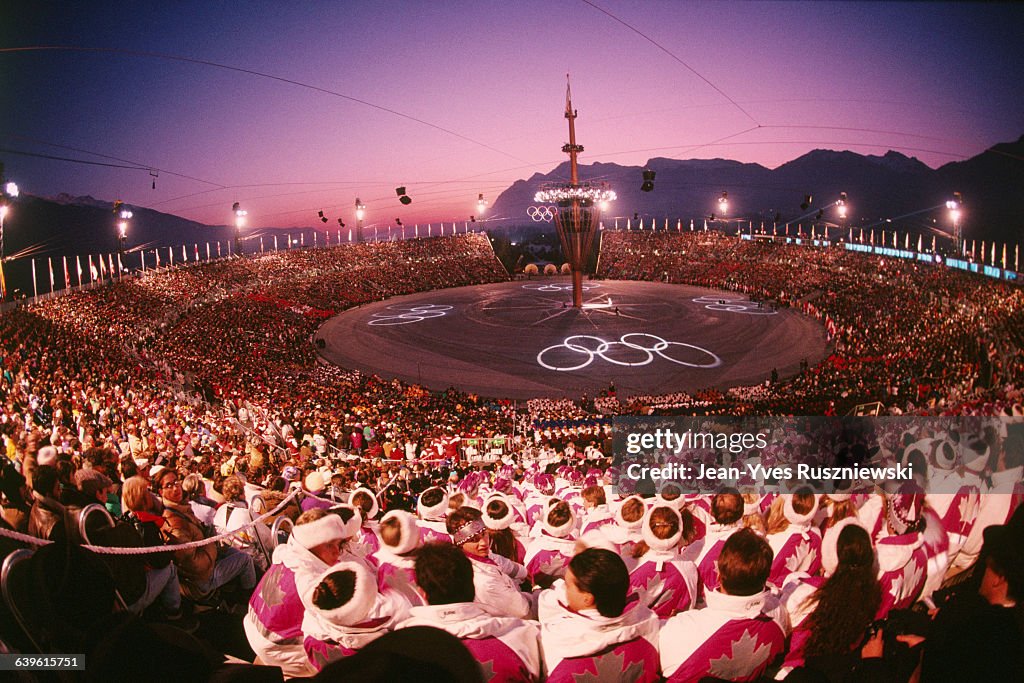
[469, 621]
[496, 583]
[566, 634]
[735, 637]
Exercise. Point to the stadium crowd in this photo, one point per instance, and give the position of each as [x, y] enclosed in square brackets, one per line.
[919, 339]
[187, 404]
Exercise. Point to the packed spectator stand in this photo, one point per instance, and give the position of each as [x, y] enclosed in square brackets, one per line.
[186, 408]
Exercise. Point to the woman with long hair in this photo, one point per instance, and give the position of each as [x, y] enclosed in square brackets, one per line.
[841, 609]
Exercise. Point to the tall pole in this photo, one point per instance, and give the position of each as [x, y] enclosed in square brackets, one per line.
[574, 177]
[579, 208]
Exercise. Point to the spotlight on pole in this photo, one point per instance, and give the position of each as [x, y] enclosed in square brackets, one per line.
[123, 216]
[240, 215]
[648, 184]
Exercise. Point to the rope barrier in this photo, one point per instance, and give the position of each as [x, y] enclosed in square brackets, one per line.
[172, 547]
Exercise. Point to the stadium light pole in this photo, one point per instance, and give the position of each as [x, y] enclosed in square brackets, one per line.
[723, 209]
[954, 205]
[123, 216]
[10, 191]
[240, 215]
[842, 204]
[360, 214]
[481, 206]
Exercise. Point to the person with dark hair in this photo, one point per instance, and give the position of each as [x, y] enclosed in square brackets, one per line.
[432, 509]
[978, 634]
[48, 519]
[727, 508]
[830, 616]
[499, 517]
[505, 646]
[549, 553]
[273, 624]
[496, 578]
[742, 629]
[345, 612]
[589, 624]
[662, 580]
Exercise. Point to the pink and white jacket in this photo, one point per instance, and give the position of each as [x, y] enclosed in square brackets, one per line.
[397, 573]
[902, 570]
[997, 504]
[507, 649]
[433, 531]
[797, 549]
[496, 584]
[574, 644]
[735, 637]
[664, 582]
[549, 555]
[704, 553]
[327, 641]
[273, 624]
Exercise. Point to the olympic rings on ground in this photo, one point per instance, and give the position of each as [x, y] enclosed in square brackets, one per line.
[541, 287]
[590, 346]
[542, 213]
[409, 314]
[717, 303]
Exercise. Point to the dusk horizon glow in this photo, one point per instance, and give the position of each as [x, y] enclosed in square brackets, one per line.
[290, 111]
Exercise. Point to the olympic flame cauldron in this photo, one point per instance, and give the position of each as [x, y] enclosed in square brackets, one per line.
[577, 220]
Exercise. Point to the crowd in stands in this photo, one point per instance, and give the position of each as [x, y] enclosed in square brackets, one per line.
[919, 338]
[187, 404]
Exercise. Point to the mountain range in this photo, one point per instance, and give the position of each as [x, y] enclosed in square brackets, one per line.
[892, 186]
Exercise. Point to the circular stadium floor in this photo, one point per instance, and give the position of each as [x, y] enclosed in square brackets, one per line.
[520, 340]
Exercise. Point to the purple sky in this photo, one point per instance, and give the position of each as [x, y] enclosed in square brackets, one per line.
[939, 81]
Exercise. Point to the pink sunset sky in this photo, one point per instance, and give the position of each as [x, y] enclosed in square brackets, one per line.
[290, 108]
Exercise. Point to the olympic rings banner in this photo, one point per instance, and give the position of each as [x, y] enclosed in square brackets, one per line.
[542, 213]
[952, 460]
[560, 287]
[631, 350]
[717, 303]
[408, 314]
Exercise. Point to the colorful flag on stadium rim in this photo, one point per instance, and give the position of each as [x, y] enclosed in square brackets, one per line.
[120, 267]
[3, 282]
[184, 254]
[78, 267]
[103, 266]
[93, 274]
[196, 245]
[157, 253]
[67, 277]
[110, 264]
[50, 260]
